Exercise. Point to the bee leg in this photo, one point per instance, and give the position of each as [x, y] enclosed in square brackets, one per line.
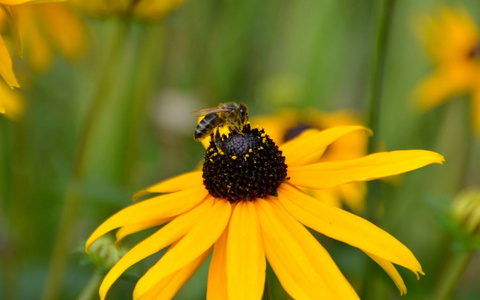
[218, 141]
[233, 127]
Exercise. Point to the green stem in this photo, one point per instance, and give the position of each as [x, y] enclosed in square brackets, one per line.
[91, 289]
[452, 274]
[6, 151]
[378, 68]
[72, 199]
[149, 59]
[469, 147]
[7, 245]
[376, 80]
[18, 224]
[99, 98]
[458, 261]
[374, 105]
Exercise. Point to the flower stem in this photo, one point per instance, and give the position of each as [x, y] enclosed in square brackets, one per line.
[5, 162]
[7, 245]
[374, 106]
[458, 261]
[378, 67]
[149, 60]
[469, 158]
[91, 288]
[376, 79]
[452, 274]
[72, 200]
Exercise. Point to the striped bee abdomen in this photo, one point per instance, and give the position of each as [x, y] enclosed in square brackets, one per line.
[206, 125]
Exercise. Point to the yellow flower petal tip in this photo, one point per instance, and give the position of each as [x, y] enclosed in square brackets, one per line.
[88, 244]
[439, 159]
[368, 131]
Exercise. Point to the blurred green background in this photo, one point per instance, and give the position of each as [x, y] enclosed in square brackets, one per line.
[269, 55]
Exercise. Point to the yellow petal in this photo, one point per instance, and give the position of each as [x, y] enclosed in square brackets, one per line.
[155, 9]
[160, 207]
[6, 67]
[15, 29]
[71, 40]
[276, 126]
[17, 2]
[389, 268]
[311, 144]
[134, 228]
[217, 273]
[167, 235]
[449, 34]
[288, 256]
[168, 287]
[14, 2]
[12, 103]
[353, 194]
[330, 174]
[442, 84]
[346, 227]
[245, 255]
[328, 196]
[202, 236]
[319, 258]
[191, 180]
[41, 58]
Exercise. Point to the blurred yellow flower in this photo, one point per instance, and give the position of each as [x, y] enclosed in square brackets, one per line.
[139, 9]
[287, 124]
[15, 2]
[6, 66]
[47, 28]
[453, 43]
[246, 207]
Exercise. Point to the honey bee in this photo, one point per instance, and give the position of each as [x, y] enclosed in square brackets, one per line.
[232, 114]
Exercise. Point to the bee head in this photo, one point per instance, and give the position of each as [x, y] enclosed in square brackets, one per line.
[243, 112]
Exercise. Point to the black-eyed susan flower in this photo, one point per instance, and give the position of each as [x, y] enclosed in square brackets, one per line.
[246, 207]
[38, 27]
[145, 9]
[452, 40]
[289, 123]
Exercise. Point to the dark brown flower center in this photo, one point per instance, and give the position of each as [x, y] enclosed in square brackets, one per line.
[247, 166]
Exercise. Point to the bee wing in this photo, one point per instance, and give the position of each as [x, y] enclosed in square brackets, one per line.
[207, 111]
